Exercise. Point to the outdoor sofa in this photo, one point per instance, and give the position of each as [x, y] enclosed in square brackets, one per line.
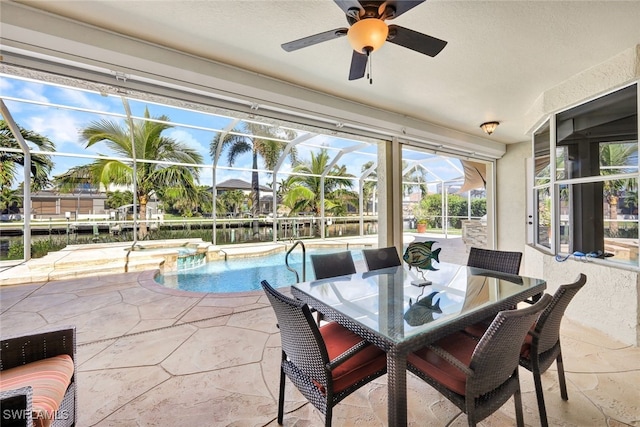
[37, 379]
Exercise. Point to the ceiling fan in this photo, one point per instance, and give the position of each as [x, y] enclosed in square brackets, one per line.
[367, 32]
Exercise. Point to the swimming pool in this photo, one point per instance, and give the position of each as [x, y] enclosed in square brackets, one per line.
[243, 274]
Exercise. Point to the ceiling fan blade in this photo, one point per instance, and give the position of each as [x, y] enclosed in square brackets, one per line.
[401, 6]
[345, 5]
[358, 65]
[314, 39]
[415, 41]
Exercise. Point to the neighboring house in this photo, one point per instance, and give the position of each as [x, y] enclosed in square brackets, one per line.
[266, 193]
[53, 204]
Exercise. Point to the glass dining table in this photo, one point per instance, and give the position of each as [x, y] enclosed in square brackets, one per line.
[401, 310]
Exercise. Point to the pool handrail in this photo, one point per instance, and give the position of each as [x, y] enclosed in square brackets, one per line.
[304, 261]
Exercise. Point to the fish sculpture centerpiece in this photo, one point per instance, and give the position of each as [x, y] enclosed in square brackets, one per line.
[421, 256]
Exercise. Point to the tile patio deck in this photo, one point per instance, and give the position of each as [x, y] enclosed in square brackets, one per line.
[148, 355]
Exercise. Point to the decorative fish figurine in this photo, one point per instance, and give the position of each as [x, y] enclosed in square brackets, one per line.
[421, 255]
[422, 310]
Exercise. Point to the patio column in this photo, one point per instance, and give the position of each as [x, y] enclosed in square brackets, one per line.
[390, 194]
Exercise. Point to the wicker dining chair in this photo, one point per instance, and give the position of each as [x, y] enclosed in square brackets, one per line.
[542, 345]
[479, 376]
[489, 259]
[326, 266]
[377, 259]
[332, 265]
[325, 363]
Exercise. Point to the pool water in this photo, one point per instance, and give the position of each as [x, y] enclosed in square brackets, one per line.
[243, 274]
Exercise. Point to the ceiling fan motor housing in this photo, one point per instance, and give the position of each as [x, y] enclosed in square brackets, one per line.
[370, 10]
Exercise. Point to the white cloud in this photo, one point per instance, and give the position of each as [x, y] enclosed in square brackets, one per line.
[5, 85]
[82, 99]
[59, 126]
[19, 89]
[206, 176]
[184, 137]
[33, 92]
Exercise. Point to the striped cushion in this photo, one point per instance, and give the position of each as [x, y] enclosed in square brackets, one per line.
[49, 379]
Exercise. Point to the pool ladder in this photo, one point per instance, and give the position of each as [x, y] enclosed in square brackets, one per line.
[304, 262]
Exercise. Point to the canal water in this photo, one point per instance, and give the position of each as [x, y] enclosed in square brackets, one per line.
[224, 235]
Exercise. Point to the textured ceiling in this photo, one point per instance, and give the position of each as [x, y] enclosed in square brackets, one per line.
[501, 55]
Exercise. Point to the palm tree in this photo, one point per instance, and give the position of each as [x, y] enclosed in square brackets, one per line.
[261, 141]
[631, 200]
[232, 200]
[416, 176]
[369, 186]
[9, 199]
[149, 144]
[615, 159]
[297, 197]
[115, 199]
[41, 165]
[188, 205]
[305, 193]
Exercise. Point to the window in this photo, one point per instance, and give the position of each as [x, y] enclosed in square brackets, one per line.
[542, 182]
[83, 192]
[595, 175]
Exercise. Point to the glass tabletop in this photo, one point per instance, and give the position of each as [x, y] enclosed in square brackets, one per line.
[396, 304]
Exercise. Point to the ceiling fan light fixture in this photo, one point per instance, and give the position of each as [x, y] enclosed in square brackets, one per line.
[367, 35]
[489, 127]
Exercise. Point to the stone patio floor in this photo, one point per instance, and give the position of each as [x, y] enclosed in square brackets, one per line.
[148, 355]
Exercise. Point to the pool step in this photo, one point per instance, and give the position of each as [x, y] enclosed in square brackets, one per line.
[112, 268]
[46, 273]
[96, 259]
[81, 262]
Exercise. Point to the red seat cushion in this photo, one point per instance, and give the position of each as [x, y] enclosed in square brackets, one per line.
[49, 379]
[461, 346]
[364, 363]
[525, 350]
[477, 330]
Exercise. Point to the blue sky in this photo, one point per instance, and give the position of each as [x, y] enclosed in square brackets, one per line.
[62, 125]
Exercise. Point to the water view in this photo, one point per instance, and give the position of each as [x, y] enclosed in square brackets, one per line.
[46, 238]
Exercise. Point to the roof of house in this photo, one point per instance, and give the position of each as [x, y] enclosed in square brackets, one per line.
[238, 184]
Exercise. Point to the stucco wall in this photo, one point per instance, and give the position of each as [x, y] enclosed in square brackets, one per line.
[621, 69]
[511, 198]
[609, 302]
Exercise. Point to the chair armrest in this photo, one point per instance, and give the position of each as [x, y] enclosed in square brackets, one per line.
[347, 355]
[451, 359]
[17, 406]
